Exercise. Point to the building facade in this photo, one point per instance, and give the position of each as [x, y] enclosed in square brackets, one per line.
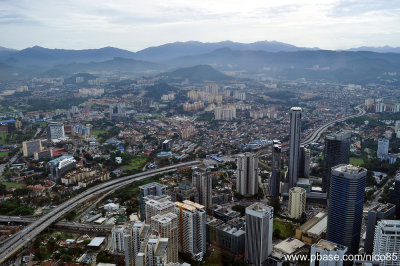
[55, 131]
[297, 202]
[259, 230]
[294, 149]
[30, 147]
[387, 241]
[247, 174]
[202, 180]
[345, 205]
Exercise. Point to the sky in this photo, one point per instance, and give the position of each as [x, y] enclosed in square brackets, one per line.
[134, 25]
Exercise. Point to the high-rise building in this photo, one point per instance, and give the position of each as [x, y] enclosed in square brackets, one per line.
[247, 174]
[202, 180]
[394, 195]
[294, 151]
[297, 202]
[30, 147]
[304, 165]
[117, 110]
[139, 232]
[226, 113]
[259, 229]
[337, 151]
[325, 249]
[117, 234]
[154, 207]
[152, 190]
[153, 251]
[59, 166]
[383, 148]
[275, 182]
[192, 228]
[387, 241]
[345, 205]
[379, 212]
[55, 131]
[166, 226]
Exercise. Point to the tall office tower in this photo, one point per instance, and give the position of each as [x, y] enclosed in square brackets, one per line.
[297, 202]
[259, 229]
[154, 207]
[379, 212]
[247, 174]
[394, 195]
[326, 249]
[383, 148]
[387, 241]
[276, 169]
[294, 152]
[202, 180]
[30, 147]
[166, 226]
[55, 131]
[152, 190]
[337, 151]
[192, 228]
[304, 165]
[345, 205]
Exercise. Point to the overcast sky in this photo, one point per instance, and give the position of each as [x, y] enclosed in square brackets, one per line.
[134, 25]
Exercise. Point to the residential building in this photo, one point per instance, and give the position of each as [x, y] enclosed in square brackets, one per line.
[345, 205]
[167, 226]
[202, 180]
[377, 213]
[192, 228]
[259, 230]
[152, 190]
[247, 174]
[383, 148]
[59, 166]
[297, 202]
[336, 151]
[294, 149]
[160, 206]
[185, 191]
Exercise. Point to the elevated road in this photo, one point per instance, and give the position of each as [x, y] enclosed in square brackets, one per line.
[23, 237]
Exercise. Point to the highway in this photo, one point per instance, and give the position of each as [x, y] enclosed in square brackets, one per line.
[23, 237]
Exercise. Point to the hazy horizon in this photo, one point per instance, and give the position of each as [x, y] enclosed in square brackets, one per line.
[333, 25]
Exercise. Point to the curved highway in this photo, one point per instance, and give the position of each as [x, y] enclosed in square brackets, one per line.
[24, 236]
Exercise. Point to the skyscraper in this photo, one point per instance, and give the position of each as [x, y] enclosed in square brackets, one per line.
[297, 202]
[294, 152]
[247, 174]
[31, 146]
[337, 151]
[394, 195]
[304, 165]
[276, 169]
[259, 229]
[166, 226]
[154, 207]
[387, 241]
[345, 205]
[192, 228]
[379, 212]
[202, 180]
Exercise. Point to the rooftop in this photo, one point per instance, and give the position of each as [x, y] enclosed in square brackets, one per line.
[96, 242]
[289, 245]
[327, 245]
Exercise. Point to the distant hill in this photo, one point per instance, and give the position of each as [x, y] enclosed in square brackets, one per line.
[381, 49]
[5, 49]
[197, 73]
[122, 65]
[177, 49]
[39, 56]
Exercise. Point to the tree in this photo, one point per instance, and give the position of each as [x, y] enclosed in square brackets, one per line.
[277, 233]
[274, 202]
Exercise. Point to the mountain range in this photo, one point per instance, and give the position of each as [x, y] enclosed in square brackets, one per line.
[274, 59]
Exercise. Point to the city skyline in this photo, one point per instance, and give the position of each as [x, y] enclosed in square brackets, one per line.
[131, 25]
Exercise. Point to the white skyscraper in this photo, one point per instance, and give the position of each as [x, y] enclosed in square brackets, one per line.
[383, 148]
[294, 152]
[259, 229]
[192, 228]
[117, 234]
[247, 174]
[387, 240]
[297, 202]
